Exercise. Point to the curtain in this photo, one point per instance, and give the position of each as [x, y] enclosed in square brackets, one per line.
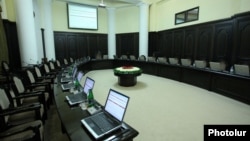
[3, 42]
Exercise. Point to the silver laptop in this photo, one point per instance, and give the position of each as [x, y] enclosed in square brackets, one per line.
[67, 86]
[81, 96]
[69, 78]
[111, 118]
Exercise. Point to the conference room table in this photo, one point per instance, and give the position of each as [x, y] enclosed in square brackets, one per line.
[71, 116]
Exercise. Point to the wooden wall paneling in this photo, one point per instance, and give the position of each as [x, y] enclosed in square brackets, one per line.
[127, 44]
[92, 45]
[161, 44]
[242, 45]
[178, 43]
[118, 45]
[235, 87]
[135, 49]
[223, 42]
[82, 46]
[102, 43]
[12, 43]
[204, 42]
[153, 46]
[168, 43]
[189, 43]
[71, 48]
[60, 46]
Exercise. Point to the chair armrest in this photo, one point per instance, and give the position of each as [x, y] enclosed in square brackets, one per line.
[20, 109]
[29, 94]
[46, 77]
[34, 126]
[37, 92]
[34, 85]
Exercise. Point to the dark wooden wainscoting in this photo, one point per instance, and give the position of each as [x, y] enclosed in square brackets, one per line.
[13, 45]
[77, 45]
[226, 39]
[127, 44]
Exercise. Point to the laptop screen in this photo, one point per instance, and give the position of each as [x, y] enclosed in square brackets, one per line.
[116, 104]
[79, 76]
[89, 84]
[74, 72]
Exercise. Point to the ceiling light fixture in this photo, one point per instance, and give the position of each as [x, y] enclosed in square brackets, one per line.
[101, 4]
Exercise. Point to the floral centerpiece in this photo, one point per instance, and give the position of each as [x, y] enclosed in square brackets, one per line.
[127, 70]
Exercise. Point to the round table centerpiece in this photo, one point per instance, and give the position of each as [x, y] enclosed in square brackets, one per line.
[127, 70]
[127, 75]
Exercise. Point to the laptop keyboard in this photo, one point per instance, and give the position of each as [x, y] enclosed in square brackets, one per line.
[68, 86]
[102, 122]
[77, 97]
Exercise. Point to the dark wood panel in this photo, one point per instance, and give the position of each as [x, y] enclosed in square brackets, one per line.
[233, 87]
[223, 41]
[169, 71]
[82, 45]
[60, 46]
[77, 45]
[92, 46]
[12, 43]
[153, 47]
[189, 45]
[178, 43]
[243, 39]
[102, 44]
[168, 44]
[127, 44]
[196, 77]
[71, 49]
[204, 42]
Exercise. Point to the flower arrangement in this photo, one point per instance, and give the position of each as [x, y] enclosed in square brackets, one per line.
[127, 70]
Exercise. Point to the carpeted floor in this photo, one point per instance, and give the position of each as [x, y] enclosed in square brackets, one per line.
[52, 128]
[162, 109]
[165, 110]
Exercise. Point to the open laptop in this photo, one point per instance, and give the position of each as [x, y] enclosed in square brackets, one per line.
[69, 78]
[67, 86]
[81, 96]
[111, 118]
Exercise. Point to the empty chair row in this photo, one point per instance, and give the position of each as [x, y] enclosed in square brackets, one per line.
[239, 69]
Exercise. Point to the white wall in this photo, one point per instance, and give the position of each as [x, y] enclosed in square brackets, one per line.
[162, 13]
[60, 19]
[127, 19]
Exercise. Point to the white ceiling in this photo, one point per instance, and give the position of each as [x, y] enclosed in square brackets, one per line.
[108, 3]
